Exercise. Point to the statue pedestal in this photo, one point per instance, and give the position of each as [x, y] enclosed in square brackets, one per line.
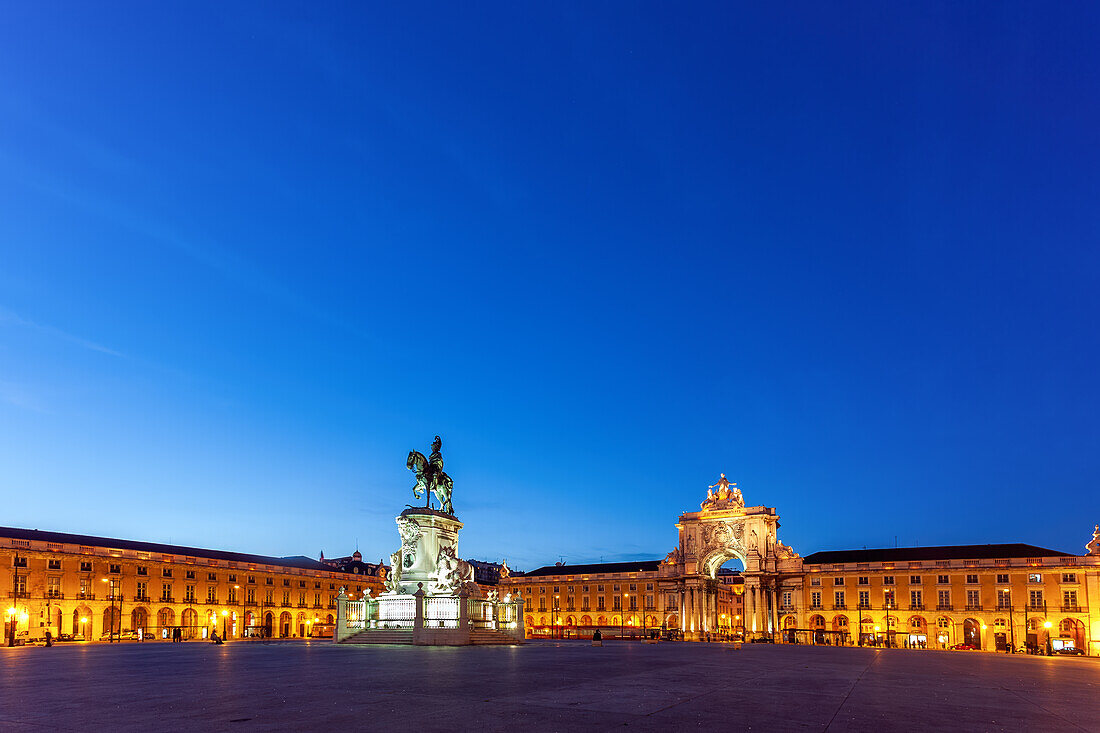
[429, 544]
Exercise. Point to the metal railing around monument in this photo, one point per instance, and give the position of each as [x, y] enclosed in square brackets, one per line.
[438, 612]
[356, 614]
[396, 613]
[441, 612]
[480, 613]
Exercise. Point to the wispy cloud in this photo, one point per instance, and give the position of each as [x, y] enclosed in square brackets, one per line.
[17, 395]
[11, 318]
[224, 261]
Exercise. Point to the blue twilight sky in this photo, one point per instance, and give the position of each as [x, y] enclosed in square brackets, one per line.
[251, 254]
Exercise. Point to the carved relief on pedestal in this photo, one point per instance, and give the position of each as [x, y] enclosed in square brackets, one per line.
[409, 531]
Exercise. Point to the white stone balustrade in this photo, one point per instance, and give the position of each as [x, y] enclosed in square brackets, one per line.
[433, 619]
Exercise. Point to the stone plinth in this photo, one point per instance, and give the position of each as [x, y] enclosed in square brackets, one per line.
[428, 556]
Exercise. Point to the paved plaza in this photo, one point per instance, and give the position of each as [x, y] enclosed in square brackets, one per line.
[563, 686]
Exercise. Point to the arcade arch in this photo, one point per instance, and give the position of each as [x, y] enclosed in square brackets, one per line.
[139, 618]
[972, 633]
[1073, 628]
[189, 619]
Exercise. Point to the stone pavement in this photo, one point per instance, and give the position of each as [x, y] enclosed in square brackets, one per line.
[565, 686]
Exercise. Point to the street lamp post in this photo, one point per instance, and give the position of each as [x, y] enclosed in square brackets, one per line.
[111, 598]
[1011, 630]
[859, 610]
[890, 604]
[15, 599]
[225, 624]
[553, 624]
[11, 625]
[561, 622]
[83, 621]
[622, 615]
[240, 618]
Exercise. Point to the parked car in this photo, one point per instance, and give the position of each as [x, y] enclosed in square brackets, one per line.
[964, 647]
[1071, 651]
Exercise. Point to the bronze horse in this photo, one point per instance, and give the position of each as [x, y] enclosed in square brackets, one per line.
[430, 476]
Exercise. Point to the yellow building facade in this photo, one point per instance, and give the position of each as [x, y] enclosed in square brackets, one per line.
[986, 597]
[88, 587]
[632, 599]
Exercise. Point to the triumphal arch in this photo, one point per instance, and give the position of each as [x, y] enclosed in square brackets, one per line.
[724, 529]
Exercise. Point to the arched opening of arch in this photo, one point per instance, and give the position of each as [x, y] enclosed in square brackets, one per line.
[724, 562]
[721, 602]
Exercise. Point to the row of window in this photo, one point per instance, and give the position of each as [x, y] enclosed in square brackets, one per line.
[211, 593]
[599, 588]
[116, 569]
[971, 579]
[943, 598]
[601, 603]
[88, 589]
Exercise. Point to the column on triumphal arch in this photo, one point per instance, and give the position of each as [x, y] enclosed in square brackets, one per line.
[774, 613]
[704, 609]
[750, 605]
[700, 604]
[685, 619]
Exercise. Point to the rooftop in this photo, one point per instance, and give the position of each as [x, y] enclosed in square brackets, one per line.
[635, 566]
[945, 552]
[295, 561]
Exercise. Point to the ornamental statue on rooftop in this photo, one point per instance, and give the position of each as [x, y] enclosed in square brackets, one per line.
[430, 476]
[728, 496]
